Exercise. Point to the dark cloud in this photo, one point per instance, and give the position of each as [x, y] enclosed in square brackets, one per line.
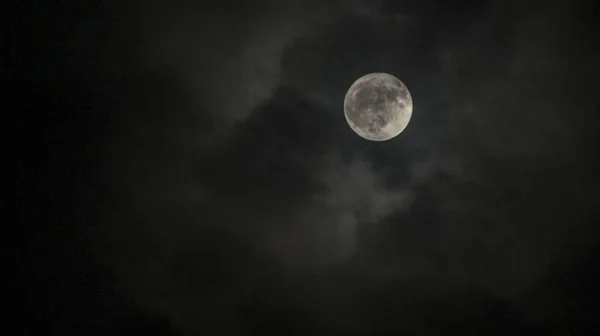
[236, 200]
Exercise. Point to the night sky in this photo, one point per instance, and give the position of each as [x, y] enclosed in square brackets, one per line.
[185, 168]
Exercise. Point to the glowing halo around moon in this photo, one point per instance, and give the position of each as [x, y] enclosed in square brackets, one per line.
[378, 106]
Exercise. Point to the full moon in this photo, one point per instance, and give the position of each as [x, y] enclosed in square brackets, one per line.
[378, 106]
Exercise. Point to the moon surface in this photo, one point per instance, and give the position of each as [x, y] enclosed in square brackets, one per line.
[378, 106]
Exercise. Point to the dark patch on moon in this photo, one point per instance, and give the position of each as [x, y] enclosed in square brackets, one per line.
[370, 108]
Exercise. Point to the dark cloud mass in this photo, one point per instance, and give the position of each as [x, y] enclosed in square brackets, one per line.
[230, 197]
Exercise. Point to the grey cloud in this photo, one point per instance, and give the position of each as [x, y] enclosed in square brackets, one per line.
[232, 51]
[326, 230]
